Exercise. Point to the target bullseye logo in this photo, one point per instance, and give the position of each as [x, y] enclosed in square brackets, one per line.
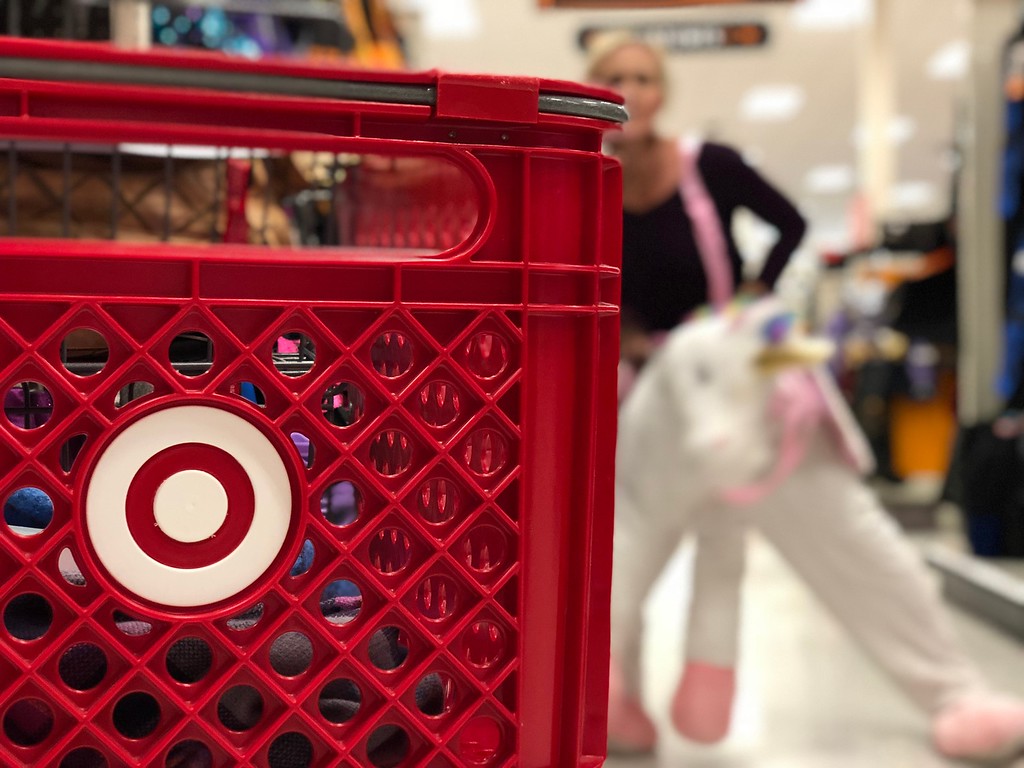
[188, 506]
[186, 517]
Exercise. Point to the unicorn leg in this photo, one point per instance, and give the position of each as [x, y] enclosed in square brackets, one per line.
[641, 550]
[833, 531]
[702, 707]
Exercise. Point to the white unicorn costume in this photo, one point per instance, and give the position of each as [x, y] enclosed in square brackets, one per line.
[732, 425]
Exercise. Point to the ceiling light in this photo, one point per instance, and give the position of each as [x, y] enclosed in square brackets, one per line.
[830, 179]
[831, 14]
[772, 103]
[901, 129]
[950, 62]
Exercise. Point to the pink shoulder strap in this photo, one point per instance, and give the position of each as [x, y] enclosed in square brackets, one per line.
[707, 227]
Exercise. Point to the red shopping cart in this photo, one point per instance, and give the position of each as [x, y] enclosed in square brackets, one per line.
[309, 404]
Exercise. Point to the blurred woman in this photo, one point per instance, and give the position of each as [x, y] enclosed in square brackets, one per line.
[677, 197]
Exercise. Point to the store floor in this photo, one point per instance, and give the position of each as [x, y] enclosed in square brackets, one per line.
[808, 697]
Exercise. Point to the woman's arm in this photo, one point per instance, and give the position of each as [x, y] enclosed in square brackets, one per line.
[739, 185]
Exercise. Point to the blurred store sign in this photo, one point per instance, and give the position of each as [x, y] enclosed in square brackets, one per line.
[688, 37]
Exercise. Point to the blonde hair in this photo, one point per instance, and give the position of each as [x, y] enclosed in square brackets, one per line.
[602, 44]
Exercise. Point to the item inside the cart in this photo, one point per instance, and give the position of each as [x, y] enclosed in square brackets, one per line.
[183, 194]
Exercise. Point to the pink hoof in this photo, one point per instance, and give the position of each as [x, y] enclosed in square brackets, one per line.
[980, 727]
[702, 706]
[630, 731]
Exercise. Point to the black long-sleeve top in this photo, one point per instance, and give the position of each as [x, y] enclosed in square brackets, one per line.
[663, 278]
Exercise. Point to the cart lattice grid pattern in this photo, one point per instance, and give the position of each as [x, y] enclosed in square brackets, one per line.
[309, 406]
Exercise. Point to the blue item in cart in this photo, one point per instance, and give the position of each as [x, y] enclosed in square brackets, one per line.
[28, 508]
[248, 390]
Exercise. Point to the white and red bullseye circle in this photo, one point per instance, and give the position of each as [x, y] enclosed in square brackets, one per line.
[188, 506]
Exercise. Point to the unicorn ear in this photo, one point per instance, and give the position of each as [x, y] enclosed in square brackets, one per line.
[776, 335]
[777, 328]
[784, 345]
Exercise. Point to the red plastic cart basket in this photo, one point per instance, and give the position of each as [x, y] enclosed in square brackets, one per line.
[346, 505]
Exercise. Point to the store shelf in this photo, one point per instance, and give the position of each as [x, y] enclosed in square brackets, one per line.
[993, 590]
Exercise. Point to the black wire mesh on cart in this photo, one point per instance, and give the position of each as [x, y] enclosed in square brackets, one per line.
[149, 194]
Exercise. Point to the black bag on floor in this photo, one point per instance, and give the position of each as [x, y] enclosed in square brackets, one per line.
[987, 481]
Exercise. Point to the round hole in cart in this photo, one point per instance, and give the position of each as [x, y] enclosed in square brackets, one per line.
[28, 722]
[84, 757]
[191, 353]
[387, 747]
[189, 754]
[340, 700]
[305, 448]
[82, 666]
[240, 708]
[189, 660]
[391, 453]
[392, 354]
[304, 561]
[438, 500]
[28, 405]
[131, 392]
[28, 511]
[131, 626]
[390, 550]
[69, 570]
[251, 393]
[136, 715]
[290, 750]
[291, 654]
[342, 503]
[341, 601]
[483, 548]
[84, 352]
[293, 354]
[388, 648]
[484, 644]
[480, 741]
[28, 617]
[69, 451]
[247, 619]
[486, 452]
[487, 355]
[343, 404]
[439, 403]
[437, 597]
[435, 694]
